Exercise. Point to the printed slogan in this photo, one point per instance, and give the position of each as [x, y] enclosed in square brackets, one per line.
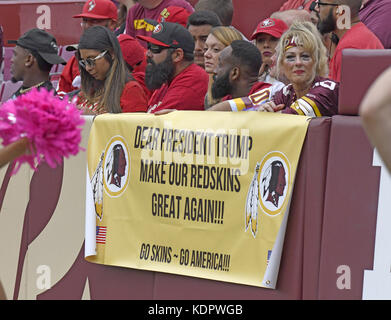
[187, 173]
[186, 193]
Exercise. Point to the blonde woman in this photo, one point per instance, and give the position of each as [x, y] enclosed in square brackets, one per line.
[218, 39]
[303, 61]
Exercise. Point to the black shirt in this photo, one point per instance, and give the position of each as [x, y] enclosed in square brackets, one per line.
[22, 90]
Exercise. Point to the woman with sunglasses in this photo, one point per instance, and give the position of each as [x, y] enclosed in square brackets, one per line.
[106, 84]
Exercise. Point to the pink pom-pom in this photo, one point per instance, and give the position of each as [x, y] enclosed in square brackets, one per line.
[53, 127]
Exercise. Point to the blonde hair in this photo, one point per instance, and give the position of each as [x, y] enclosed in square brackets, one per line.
[226, 34]
[308, 37]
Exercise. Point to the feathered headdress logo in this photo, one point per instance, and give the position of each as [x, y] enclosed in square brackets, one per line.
[252, 204]
[97, 188]
[292, 42]
[268, 189]
[112, 173]
[116, 167]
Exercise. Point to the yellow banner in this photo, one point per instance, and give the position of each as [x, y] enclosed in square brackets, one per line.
[202, 194]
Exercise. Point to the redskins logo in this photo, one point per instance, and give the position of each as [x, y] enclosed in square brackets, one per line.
[267, 23]
[112, 173]
[116, 167]
[274, 179]
[268, 189]
[91, 5]
[158, 28]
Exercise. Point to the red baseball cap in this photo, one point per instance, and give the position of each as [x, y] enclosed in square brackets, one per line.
[274, 27]
[132, 50]
[174, 14]
[99, 9]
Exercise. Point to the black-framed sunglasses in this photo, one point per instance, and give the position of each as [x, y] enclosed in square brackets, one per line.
[318, 4]
[90, 62]
[155, 48]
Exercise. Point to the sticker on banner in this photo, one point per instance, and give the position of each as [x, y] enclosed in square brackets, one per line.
[274, 181]
[268, 189]
[116, 167]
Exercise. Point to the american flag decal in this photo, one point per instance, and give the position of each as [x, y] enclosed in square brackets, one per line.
[101, 235]
[269, 254]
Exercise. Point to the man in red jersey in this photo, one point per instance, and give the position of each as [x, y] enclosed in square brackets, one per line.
[353, 34]
[237, 71]
[178, 82]
[150, 10]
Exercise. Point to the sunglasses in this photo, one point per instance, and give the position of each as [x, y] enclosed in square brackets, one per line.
[318, 4]
[90, 62]
[93, 22]
[156, 49]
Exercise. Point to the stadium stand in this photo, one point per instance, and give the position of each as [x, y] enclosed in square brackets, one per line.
[7, 89]
[7, 63]
[334, 211]
[359, 69]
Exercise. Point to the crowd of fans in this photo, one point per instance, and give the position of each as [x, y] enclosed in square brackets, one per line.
[163, 55]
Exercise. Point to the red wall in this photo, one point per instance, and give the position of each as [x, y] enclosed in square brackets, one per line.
[247, 13]
[18, 16]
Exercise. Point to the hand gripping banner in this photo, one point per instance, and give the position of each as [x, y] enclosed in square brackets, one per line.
[201, 194]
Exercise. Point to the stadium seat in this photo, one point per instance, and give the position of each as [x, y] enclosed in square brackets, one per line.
[56, 66]
[55, 83]
[8, 51]
[66, 55]
[57, 69]
[359, 69]
[2, 86]
[7, 89]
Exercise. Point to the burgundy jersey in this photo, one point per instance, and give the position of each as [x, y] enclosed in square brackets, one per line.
[321, 99]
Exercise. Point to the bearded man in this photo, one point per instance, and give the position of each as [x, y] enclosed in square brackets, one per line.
[178, 83]
[341, 17]
[237, 71]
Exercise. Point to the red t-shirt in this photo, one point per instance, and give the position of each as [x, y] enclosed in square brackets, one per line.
[133, 98]
[357, 37]
[140, 78]
[137, 26]
[185, 92]
[68, 74]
